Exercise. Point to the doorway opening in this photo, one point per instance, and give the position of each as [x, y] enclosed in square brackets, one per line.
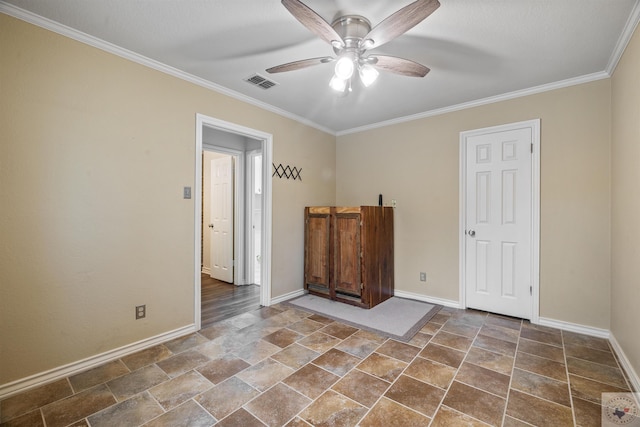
[233, 215]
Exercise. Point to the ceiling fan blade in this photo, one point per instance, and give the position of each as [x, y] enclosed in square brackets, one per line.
[312, 21]
[400, 66]
[297, 65]
[399, 22]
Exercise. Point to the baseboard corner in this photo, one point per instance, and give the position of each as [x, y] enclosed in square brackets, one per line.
[288, 296]
[574, 327]
[633, 376]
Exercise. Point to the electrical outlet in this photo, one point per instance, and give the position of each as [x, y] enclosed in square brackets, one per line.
[141, 311]
[423, 277]
[186, 192]
[394, 203]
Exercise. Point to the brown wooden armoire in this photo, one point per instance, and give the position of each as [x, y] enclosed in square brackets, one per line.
[348, 253]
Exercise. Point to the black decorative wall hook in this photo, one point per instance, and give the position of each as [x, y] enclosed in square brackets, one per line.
[287, 172]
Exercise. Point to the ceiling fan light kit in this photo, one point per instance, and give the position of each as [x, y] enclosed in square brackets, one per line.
[351, 37]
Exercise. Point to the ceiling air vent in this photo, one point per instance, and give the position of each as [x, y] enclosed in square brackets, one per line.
[260, 81]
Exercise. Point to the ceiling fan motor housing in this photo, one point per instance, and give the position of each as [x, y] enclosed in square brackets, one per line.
[352, 29]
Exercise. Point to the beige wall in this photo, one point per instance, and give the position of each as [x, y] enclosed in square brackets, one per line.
[94, 153]
[417, 164]
[625, 208]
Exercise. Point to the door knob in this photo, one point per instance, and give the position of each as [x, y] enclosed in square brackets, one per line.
[210, 225]
[472, 233]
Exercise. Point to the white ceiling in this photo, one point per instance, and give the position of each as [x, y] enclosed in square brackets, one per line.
[475, 49]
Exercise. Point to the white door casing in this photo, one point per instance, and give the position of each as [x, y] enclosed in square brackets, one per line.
[499, 219]
[221, 226]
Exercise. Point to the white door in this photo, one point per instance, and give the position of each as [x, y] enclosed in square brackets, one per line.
[256, 217]
[498, 226]
[221, 225]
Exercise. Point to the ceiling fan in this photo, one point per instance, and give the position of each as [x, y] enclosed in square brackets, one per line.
[352, 36]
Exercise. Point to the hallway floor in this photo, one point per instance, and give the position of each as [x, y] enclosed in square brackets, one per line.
[280, 366]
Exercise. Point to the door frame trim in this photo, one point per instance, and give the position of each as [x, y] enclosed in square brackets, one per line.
[534, 125]
[267, 156]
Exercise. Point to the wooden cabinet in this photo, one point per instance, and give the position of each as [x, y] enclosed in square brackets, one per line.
[348, 253]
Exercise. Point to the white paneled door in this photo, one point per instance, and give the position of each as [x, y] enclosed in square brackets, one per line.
[498, 221]
[221, 225]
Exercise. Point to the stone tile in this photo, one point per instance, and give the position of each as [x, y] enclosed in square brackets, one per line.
[31, 419]
[306, 326]
[440, 318]
[133, 412]
[398, 350]
[586, 341]
[128, 385]
[371, 336]
[420, 339]
[81, 423]
[458, 327]
[266, 312]
[588, 414]
[295, 356]
[319, 342]
[188, 414]
[240, 418]
[241, 321]
[470, 317]
[174, 392]
[311, 380]
[146, 357]
[255, 352]
[431, 372]
[387, 413]
[383, 367]
[597, 372]
[361, 387]
[183, 362]
[79, 406]
[457, 342]
[476, 403]
[447, 417]
[217, 330]
[265, 374]
[333, 409]
[226, 397]
[590, 390]
[501, 333]
[297, 422]
[591, 355]
[186, 342]
[416, 395]
[221, 368]
[543, 387]
[487, 359]
[541, 350]
[337, 361]
[431, 328]
[339, 330]
[484, 379]
[445, 355]
[504, 321]
[214, 348]
[537, 411]
[358, 346]
[320, 319]
[495, 345]
[544, 337]
[283, 337]
[276, 406]
[541, 366]
[98, 375]
[513, 422]
[30, 400]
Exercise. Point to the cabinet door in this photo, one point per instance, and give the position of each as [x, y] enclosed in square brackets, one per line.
[347, 249]
[316, 257]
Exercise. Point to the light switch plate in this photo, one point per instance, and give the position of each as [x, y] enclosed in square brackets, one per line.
[186, 193]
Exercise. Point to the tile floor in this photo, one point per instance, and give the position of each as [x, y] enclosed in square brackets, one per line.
[280, 366]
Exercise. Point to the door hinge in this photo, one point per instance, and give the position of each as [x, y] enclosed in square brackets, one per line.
[530, 290]
[532, 148]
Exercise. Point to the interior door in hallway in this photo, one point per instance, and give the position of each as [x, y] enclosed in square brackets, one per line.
[221, 225]
[498, 225]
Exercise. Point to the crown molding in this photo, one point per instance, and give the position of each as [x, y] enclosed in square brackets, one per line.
[625, 38]
[87, 39]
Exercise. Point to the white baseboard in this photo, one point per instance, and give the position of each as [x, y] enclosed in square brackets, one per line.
[285, 297]
[430, 300]
[626, 365]
[24, 384]
[574, 327]
[206, 270]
